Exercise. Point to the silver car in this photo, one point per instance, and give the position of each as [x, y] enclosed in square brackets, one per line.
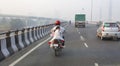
[108, 30]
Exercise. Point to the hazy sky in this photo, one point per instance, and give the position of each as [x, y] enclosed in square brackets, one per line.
[65, 9]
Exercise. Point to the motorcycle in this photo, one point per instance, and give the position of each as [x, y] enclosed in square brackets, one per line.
[57, 46]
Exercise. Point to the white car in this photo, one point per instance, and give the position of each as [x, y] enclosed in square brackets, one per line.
[108, 30]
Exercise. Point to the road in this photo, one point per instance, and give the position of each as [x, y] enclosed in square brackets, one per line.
[83, 48]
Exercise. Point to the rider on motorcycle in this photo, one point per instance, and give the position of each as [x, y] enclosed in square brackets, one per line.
[62, 29]
[57, 33]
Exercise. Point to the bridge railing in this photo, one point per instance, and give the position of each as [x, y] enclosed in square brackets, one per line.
[15, 40]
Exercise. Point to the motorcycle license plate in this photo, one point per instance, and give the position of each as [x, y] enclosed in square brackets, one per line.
[55, 45]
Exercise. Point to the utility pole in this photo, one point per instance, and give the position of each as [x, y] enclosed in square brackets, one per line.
[100, 14]
[110, 10]
[91, 9]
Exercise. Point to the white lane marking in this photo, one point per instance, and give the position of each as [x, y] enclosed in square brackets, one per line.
[96, 64]
[26, 54]
[82, 38]
[86, 45]
[78, 31]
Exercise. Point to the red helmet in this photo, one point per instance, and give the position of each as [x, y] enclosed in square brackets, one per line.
[57, 22]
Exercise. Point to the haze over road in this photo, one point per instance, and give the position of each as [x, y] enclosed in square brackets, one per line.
[83, 48]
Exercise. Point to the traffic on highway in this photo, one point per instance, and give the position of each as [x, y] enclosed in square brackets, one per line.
[59, 33]
[83, 48]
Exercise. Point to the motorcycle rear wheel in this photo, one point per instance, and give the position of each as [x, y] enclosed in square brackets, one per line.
[57, 52]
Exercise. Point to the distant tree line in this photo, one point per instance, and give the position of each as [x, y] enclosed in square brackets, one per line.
[17, 24]
[9, 23]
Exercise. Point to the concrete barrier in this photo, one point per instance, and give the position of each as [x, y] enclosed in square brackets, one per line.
[32, 31]
[10, 40]
[3, 45]
[30, 35]
[25, 38]
[14, 41]
[35, 33]
[43, 30]
[1, 54]
[38, 34]
[18, 40]
[13, 44]
[3, 49]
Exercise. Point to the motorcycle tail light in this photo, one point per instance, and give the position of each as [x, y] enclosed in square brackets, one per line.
[62, 40]
[49, 42]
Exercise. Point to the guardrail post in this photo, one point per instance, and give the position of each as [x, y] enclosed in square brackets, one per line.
[43, 31]
[47, 29]
[3, 48]
[18, 40]
[38, 36]
[40, 32]
[10, 44]
[33, 34]
[36, 33]
[24, 38]
[1, 54]
[30, 35]
[12, 37]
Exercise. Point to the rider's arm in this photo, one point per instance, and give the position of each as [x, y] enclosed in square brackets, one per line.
[53, 29]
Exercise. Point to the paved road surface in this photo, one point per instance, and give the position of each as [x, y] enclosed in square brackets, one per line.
[83, 48]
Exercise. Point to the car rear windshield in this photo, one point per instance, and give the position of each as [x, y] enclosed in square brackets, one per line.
[110, 25]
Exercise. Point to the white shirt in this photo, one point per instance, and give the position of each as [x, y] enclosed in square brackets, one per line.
[57, 35]
[62, 30]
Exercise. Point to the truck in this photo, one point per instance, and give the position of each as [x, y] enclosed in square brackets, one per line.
[80, 20]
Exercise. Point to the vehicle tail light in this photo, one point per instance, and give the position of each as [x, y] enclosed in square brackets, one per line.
[62, 40]
[49, 43]
[118, 29]
[102, 28]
